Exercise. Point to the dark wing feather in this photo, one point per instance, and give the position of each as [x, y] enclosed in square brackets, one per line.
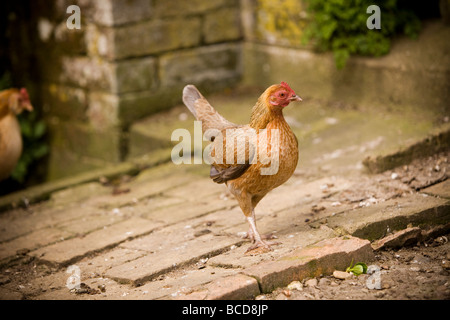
[230, 173]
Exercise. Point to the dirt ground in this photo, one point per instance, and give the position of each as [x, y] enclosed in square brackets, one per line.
[419, 272]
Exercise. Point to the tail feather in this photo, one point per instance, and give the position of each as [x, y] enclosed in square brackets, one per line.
[190, 96]
[203, 111]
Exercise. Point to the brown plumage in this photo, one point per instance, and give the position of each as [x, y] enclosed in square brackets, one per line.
[12, 103]
[266, 157]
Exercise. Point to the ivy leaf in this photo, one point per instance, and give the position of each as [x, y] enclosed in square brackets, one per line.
[328, 29]
[357, 269]
[39, 129]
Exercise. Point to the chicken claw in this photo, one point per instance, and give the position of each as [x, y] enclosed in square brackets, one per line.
[261, 247]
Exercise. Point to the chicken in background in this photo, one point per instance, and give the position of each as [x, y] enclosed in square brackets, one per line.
[12, 103]
[245, 180]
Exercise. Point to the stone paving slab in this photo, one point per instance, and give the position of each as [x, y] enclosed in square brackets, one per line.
[290, 241]
[439, 190]
[319, 259]
[377, 220]
[173, 243]
[174, 286]
[33, 240]
[166, 254]
[69, 251]
[136, 191]
[190, 209]
[235, 287]
[298, 192]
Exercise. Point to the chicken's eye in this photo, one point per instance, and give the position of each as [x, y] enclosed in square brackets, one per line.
[282, 95]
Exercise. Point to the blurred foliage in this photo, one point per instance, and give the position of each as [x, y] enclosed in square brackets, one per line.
[33, 131]
[340, 26]
[34, 145]
[5, 81]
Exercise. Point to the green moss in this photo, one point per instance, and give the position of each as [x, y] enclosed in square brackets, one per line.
[281, 21]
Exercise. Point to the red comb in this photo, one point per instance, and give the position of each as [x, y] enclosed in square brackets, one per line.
[286, 86]
[24, 94]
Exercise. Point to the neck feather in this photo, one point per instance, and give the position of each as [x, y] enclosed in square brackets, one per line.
[262, 114]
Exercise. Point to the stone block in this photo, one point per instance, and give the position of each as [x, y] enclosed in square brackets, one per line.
[140, 143]
[112, 77]
[167, 8]
[77, 193]
[201, 66]
[66, 252]
[236, 287]
[441, 189]
[35, 239]
[103, 110]
[170, 288]
[167, 248]
[138, 192]
[155, 36]
[194, 209]
[222, 25]
[70, 41]
[135, 75]
[63, 164]
[319, 259]
[99, 40]
[437, 141]
[401, 238]
[85, 140]
[373, 222]
[115, 12]
[280, 23]
[85, 72]
[298, 237]
[135, 105]
[64, 101]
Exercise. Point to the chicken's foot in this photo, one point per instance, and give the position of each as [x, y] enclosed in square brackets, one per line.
[259, 246]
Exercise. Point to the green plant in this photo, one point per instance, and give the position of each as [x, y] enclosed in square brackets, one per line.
[357, 269]
[34, 146]
[340, 26]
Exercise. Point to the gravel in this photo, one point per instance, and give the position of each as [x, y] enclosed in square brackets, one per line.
[417, 272]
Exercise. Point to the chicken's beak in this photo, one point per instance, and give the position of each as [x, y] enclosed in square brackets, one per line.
[296, 98]
[28, 107]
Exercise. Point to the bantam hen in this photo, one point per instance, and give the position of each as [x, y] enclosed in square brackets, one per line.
[265, 159]
[12, 103]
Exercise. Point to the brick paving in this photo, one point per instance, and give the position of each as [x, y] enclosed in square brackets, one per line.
[173, 234]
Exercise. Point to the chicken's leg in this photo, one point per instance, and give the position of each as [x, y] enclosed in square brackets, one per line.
[247, 203]
[251, 235]
[256, 238]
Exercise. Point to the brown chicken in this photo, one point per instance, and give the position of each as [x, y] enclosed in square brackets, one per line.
[12, 103]
[265, 157]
